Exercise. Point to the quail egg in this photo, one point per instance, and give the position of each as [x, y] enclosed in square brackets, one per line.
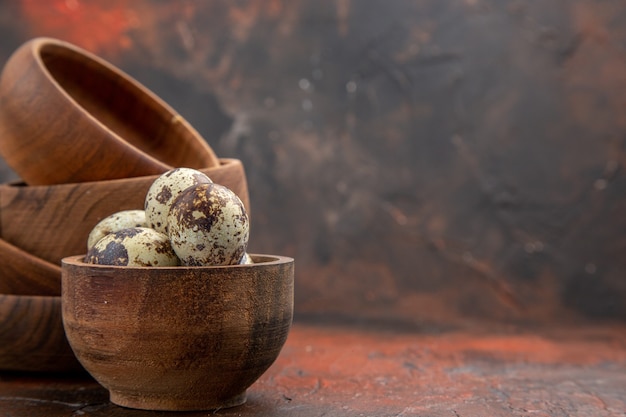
[164, 190]
[208, 225]
[116, 221]
[136, 246]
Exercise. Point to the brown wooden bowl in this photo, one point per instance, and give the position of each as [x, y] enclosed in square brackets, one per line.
[68, 116]
[178, 338]
[52, 222]
[24, 274]
[40, 225]
[32, 336]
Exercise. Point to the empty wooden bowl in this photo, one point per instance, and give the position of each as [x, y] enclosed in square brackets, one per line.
[32, 336]
[41, 225]
[68, 116]
[178, 338]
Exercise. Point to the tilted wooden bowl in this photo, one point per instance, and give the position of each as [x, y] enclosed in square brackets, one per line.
[24, 274]
[32, 336]
[68, 116]
[40, 225]
[178, 338]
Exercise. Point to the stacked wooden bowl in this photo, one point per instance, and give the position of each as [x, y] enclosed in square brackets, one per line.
[87, 141]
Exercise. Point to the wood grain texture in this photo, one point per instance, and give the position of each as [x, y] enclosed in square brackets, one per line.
[68, 116]
[52, 222]
[32, 336]
[24, 274]
[178, 338]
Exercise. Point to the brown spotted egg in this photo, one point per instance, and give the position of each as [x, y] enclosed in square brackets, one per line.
[116, 221]
[136, 246]
[208, 225]
[164, 190]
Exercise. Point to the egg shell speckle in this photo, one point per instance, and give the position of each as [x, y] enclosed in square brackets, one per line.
[116, 221]
[208, 225]
[164, 191]
[137, 246]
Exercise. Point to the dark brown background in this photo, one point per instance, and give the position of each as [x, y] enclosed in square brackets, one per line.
[424, 161]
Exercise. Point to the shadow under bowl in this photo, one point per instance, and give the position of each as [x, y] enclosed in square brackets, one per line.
[178, 338]
[69, 116]
[32, 336]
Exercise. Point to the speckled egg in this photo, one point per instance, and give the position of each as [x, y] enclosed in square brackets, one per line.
[136, 246]
[208, 225]
[164, 190]
[116, 221]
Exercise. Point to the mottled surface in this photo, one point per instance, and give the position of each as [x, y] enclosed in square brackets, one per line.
[422, 161]
[164, 191]
[342, 372]
[134, 246]
[115, 222]
[208, 225]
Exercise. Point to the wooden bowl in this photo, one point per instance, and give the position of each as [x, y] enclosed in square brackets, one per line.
[24, 274]
[40, 225]
[178, 338]
[68, 116]
[32, 336]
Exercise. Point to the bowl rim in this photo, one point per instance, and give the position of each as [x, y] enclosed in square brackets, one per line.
[37, 297]
[36, 48]
[266, 260]
[223, 163]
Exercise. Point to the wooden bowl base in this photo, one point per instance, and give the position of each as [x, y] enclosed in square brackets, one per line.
[176, 402]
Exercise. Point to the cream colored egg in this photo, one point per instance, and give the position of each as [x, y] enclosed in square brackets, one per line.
[164, 191]
[116, 221]
[208, 225]
[137, 246]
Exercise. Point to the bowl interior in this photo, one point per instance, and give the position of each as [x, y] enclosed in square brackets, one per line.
[124, 107]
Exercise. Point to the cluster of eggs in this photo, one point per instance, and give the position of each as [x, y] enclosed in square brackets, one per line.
[187, 220]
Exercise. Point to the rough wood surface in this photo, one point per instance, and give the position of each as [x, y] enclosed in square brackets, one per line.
[343, 372]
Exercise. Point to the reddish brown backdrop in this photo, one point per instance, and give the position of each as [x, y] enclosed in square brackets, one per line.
[424, 161]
